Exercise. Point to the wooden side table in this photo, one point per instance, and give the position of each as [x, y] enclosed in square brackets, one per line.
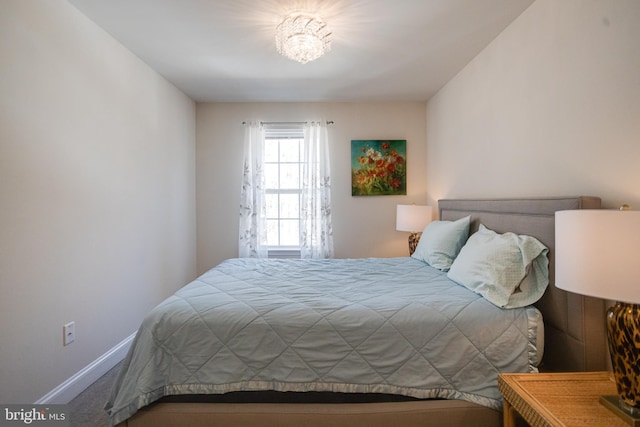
[558, 399]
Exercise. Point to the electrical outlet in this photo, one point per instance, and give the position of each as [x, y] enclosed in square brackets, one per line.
[69, 333]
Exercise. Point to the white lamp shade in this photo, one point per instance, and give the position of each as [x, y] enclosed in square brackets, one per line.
[598, 253]
[412, 218]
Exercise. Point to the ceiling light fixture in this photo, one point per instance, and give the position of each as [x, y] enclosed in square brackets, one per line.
[303, 37]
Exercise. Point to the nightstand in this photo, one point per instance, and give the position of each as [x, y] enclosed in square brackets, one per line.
[558, 399]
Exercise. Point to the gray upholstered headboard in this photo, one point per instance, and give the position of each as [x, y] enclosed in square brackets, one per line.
[575, 338]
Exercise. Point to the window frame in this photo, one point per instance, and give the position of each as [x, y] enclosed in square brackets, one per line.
[282, 132]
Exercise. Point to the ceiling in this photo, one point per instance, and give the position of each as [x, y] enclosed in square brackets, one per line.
[383, 50]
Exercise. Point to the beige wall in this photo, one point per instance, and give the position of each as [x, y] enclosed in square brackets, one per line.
[97, 193]
[362, 226]
[551, 107]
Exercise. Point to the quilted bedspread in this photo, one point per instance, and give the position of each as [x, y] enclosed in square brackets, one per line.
[391, 325]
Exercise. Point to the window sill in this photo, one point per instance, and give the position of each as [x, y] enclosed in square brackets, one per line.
[284, 253]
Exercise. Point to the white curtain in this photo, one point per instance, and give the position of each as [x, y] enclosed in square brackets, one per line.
[252, 241]
[316, 234]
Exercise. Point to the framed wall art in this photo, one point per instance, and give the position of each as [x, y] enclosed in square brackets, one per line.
[378, 167]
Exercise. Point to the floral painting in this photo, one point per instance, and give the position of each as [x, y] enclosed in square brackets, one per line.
[378, 167]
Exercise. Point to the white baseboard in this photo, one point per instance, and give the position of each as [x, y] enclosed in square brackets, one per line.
[77, 383]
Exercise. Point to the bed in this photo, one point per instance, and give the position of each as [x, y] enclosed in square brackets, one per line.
[256, 385]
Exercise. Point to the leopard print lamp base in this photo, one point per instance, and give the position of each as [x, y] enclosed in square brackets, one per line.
[623, 331]
[414, 238]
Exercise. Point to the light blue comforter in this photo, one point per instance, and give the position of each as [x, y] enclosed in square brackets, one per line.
[391, 325]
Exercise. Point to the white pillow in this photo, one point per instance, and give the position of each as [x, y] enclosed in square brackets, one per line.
[507, 269]
[441, 241]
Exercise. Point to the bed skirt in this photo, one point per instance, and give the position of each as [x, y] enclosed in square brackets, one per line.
[423, 413]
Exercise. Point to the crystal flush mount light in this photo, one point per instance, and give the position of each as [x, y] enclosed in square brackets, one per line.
[303, 37]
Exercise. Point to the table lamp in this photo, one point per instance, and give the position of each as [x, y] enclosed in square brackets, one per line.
[598, 254]
[413, 218]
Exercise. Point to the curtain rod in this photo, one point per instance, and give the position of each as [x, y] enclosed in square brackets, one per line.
[329, 122]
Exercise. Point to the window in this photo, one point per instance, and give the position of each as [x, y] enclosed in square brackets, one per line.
[285, 198]
[283, 154]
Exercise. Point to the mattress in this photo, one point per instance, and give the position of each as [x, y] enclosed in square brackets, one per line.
[392, 326]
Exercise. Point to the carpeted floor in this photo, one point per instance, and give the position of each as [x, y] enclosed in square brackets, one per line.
[87, 409]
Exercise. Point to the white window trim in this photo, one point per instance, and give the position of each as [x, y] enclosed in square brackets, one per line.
[280, 132]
